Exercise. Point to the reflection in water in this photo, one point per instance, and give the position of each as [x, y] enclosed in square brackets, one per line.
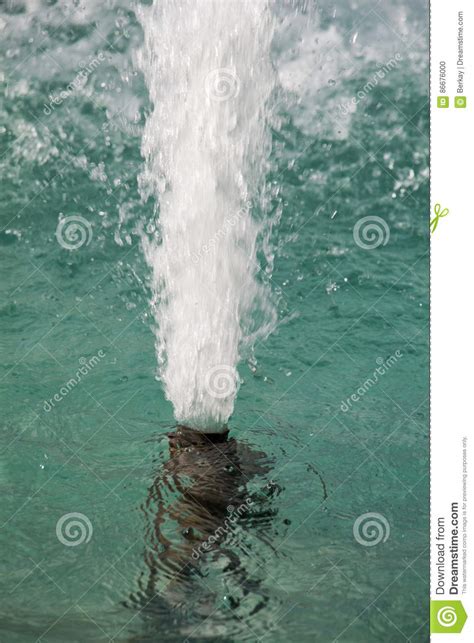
[205, 509]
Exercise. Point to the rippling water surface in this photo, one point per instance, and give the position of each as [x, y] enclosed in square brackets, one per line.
[252, 537]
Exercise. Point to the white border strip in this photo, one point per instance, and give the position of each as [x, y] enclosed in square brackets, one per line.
[452, 310]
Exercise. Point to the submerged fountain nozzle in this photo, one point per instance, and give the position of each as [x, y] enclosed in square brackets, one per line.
[200, 436]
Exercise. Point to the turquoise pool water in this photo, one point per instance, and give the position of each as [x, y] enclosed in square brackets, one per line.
[312, 464]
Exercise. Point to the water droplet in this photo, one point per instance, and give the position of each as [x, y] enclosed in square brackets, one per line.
[331, 82]
[231, 601]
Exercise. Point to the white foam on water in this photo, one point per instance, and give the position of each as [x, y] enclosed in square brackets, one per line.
[206, 145]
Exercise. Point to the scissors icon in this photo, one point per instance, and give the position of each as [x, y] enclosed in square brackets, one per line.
[439, 214]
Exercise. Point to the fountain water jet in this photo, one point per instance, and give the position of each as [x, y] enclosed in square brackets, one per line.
[206, 145]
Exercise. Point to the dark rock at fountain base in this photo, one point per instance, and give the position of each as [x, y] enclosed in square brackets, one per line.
[185, 436]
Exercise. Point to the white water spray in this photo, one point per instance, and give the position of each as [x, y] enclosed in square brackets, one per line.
[206, 143]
